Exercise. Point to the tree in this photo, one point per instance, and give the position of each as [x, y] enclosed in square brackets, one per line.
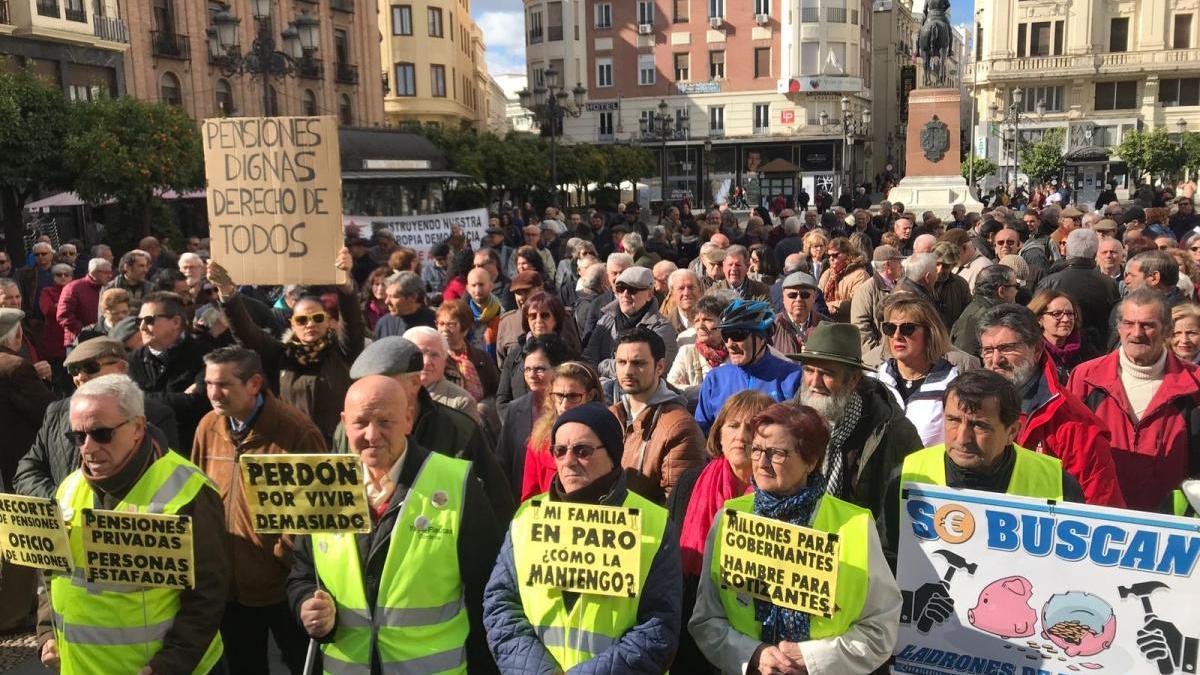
[1149, 152]
[984, 167]
[33, 124]
[1191, 152]
[1043, 161]
[130, 151]
[629, 163]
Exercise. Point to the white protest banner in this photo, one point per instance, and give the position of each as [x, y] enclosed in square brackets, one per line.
[583, 548]
[275, 198]
[422, 233]
[1016, 586]
[32, 533]
[302, 494]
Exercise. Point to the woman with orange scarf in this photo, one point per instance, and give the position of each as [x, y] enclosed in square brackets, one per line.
[846, 272]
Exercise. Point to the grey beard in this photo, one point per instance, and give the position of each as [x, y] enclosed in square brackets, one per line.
[831, 407]
[1024, 374]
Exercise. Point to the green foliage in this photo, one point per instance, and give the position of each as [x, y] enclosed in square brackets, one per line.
[984, 167]
[629, 163]
[126, 149]
[1043, 161]
[515, 163]
[1191, 152]
[1150, 152]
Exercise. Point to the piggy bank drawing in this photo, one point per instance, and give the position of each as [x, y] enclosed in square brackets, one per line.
[1082, 624]
[1003, 608]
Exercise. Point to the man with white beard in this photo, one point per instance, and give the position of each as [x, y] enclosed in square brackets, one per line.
[869, 434]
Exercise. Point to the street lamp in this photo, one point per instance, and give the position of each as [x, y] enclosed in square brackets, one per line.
[1010, 118]
[1182, 125]
[854, 122]
[706, 188]
[300, 39]
[548, 105]
[659, 126]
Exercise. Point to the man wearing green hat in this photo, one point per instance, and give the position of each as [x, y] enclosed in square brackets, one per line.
[869, 434]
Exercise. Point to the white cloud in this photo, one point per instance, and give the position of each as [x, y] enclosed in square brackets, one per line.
[504, 37]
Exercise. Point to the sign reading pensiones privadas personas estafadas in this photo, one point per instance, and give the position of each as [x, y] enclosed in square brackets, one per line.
[32, 533]
[303, 494]
[582, 548]
[138, 549]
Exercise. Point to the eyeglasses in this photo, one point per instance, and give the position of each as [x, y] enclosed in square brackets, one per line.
[100, 435]
[1009, 348]
[622, 289]
[42, 253]
[1061, 313]
[89, 367]
[834, 255]
[803, 295]
[735, 335]
[581, 450]
[906, 329]
[149, 319]
[317, 318]
[62, 274]
[574, 398]
[536, 370]
[776, 455]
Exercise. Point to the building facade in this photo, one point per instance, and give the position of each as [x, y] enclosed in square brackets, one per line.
[433, 53]
[169, 60]
[744, 82]
[1099, 70]
[79, 46]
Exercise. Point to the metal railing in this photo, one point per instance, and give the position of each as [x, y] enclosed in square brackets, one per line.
[170, 45]
[76, 14]
[108, 28]
[835, 14]
[535, 35]
[810, 15]
[346, 73]
[310, 68]
[48, 8]
[554, 33]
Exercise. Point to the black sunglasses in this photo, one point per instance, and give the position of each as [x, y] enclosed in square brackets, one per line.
[735, 334]
[151, 318]
[906, 329]
[89, 367]
[803, 295]
[100, 435]
[581, 451]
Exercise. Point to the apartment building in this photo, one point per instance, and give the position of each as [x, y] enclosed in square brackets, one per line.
[80, 46]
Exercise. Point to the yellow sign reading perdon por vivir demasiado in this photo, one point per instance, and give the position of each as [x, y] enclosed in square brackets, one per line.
[581, 548]
[787, 565]
[303, 494]
[32, 533]
[138, 549]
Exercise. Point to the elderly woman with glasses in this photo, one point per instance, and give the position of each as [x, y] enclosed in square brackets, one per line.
[544, 629]
[1062, 325]
[313, 359]
[741, 634]
[541, 314]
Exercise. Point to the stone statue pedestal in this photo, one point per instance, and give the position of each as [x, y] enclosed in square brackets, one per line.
[932, 177]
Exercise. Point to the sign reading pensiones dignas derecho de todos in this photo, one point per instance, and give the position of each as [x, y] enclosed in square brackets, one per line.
[582, 548]
[302, 494]
[138, 549]
[422, 233]
[274, 198]
[1040, 587]
[787, 565]
[32, 533]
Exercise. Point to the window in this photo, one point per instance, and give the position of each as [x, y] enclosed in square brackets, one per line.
[979, 42]
[604, 15]
[605, 129]
[402, 20]
[272, 101]
[645, 11]
[406, 79]
[682, 66]
[716, 8]
[762, 6]
[437, 80]
[604, 73]
[169, 90]
[164, 18]
[1051, 97]
[762, 117]
[835, 11]
[1182, 37]
[554, 21]
[435, 22]
[224, 96]
[716, 118]
[535, 28]
[681, 11]
[646, 69]
[810, 58]
[1179, 92]
[310, 103]
[810, 11]
[1116, 95]
[716, 64]
[1040, 38]
[345, 111]
[762, 61]
[835, 60]
[1118, 34]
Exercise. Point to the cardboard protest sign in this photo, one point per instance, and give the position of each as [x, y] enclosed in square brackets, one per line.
[275, 198]
[785, 564]
[138, 549]
[422, 233]
[302, 494]
[32, 533]
[581, 548]
[994, 583]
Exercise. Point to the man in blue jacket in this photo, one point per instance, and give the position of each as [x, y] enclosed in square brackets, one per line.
[745, 328]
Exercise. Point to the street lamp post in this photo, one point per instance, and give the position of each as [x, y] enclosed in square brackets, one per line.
[706, 188]
[1181, 124]
[548, 104]
[659, 125]
[853, 123]
[300, 40]
[1010, 116]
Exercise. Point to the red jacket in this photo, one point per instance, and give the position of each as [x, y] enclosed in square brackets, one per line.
[78, 306]
[1063, 427]
[1151, 455]
[53, 345]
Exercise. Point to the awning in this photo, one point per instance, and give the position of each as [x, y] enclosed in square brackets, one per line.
[70, 199]
[386, 175]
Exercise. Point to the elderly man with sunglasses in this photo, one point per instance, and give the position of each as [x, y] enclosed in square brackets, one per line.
[799, 315]
[52, 458]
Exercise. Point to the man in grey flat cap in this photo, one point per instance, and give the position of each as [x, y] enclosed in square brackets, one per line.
[799, 315]
[635, 305]
[434, 426]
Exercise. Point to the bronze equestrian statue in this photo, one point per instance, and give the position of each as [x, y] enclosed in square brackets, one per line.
[933, 42]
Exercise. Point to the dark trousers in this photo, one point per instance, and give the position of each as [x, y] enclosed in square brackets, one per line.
[244, 630]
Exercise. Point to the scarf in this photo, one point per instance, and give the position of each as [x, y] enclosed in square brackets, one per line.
[486, 313]
[470, 375]
[716, 485]
[1068, 354]
[624, 323]
[835, 275]
[714, 355]
[780, 623]
[834, 456]
[304, 355]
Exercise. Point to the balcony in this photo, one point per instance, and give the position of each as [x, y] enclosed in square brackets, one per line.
[310, 69]
[342, 5]
[48, 8]
[810, 15]
[76, 14]
[170, 45]
[554, 33]
[1110, 63]
[346, 73]
[835, 14]
[535, 35]
[113, 30]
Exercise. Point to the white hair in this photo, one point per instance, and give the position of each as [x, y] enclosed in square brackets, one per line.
[791, 225]
[190, 257]
[1082, 243]
[98, 264]
[63, 267]
[919, 265]
[679, 274]
[923, 240]
[633, 242]
[426, 331]
[129, 398]
[42, 244]
[623, 260]
[13, 336]
[593, 277]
